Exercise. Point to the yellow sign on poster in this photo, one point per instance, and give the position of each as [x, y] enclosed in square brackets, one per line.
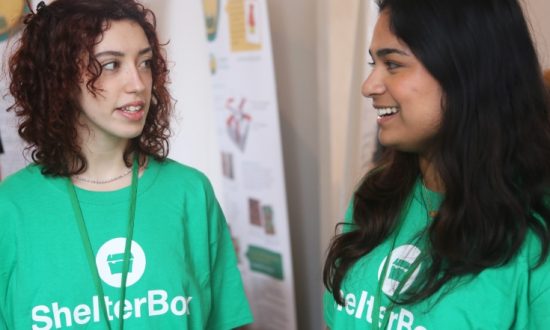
[211, 15]
[244, 25]
[10, 15]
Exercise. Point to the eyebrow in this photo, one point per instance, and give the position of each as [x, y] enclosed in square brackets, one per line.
[387, 51]
[120, 54]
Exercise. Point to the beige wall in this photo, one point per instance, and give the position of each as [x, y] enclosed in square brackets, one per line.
[316, 47]
[293, 32]
[539, 15]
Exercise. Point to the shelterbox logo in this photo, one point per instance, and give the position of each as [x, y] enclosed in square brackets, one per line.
[361, 303]
[401, 260]
[109, 261]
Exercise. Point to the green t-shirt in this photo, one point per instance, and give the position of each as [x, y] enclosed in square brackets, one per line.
[514, 296]
[183, 271]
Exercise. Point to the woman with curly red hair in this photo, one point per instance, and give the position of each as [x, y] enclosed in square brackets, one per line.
[103, 229]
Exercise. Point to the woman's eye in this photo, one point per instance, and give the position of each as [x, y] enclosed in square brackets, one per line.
[146, 64]
[110, 66]
[391, 65]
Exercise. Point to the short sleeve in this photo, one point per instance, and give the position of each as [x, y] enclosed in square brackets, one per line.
[348, 224]
[348, 216]
[539, 284]
[230, 308]
[7, 259]
[328, 299]
[539, 292]
[328, 309]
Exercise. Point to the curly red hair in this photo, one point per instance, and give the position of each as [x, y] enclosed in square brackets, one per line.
[55, 50]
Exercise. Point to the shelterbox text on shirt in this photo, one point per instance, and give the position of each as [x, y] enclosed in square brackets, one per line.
[182, 273]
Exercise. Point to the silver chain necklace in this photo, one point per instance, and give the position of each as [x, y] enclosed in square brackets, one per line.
[101, 181]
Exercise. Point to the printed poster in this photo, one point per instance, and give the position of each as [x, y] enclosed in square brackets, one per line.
[11, 146]
[248, 130]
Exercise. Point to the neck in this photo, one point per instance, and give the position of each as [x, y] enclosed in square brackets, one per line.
[104, 160]
[430, 176]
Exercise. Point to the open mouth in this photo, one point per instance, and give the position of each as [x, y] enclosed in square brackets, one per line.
[388, 111]
[132, 108]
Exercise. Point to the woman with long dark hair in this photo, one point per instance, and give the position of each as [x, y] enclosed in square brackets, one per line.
[451, 228]
[104, 231]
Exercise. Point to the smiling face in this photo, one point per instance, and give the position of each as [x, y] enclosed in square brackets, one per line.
[405, 95]
[118, 110]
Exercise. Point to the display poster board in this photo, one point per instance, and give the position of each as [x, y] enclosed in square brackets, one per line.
[11, 146]
[247, 124]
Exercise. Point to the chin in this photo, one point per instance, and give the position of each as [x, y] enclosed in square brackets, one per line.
[388, 143]
[131, 135]
[397, 146]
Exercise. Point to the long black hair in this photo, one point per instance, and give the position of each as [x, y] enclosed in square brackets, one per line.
[492, 151]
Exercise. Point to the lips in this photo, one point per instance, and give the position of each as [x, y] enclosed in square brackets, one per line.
[132, 107]
[133, 111]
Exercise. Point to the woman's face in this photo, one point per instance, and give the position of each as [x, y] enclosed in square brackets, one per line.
[406, 97]
[118, 111]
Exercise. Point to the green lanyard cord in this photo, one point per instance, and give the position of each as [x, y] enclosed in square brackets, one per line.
[127, 248]
[90, 254]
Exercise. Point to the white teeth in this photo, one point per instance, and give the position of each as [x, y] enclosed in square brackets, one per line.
[132, 108]
[386, 111]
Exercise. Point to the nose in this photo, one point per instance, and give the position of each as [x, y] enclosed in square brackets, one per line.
[135, 80]
[373, 85]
